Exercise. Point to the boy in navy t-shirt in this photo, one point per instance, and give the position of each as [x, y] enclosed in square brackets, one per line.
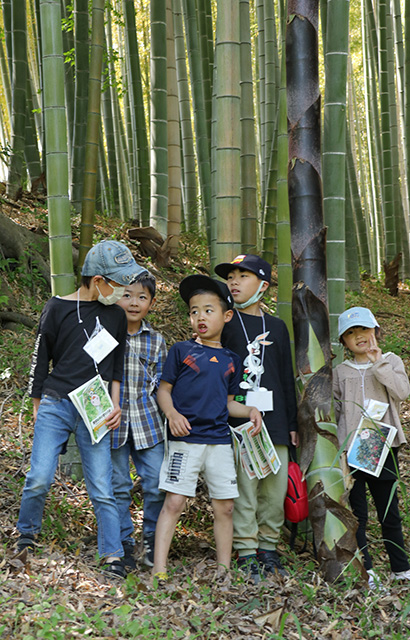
[196, 393]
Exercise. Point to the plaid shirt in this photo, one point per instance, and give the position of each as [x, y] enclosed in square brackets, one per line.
[144, 360]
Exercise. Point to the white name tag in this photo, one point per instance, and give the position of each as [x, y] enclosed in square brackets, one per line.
[262, 400]
[101, 345]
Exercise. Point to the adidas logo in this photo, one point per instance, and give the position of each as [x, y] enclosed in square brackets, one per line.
[213, 359]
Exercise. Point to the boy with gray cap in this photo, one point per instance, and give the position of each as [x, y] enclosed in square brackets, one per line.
[372, 375]
[82, 334]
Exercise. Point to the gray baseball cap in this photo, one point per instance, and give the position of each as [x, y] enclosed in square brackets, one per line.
[114, 261]
[356, 317]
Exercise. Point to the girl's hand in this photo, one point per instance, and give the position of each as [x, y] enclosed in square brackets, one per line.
[374, 353]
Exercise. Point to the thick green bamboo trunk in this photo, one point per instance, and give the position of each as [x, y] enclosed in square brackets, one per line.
[333, 524]
[59, 229]
[190, 191]
[334, 159]
[387, 168]
[249, 196]
[137, 112]
[374, 131]
[93, 129]
[158, 117]
[227, 216]
[174, 140]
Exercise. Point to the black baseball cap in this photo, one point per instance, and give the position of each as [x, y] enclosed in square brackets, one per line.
[193, 283]
[248, 262]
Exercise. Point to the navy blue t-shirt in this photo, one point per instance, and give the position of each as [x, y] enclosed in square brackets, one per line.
[202, 378]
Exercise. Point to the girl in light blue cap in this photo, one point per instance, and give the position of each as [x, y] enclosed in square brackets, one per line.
[372, 375]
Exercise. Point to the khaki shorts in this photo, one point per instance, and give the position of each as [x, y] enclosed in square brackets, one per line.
[181, 468]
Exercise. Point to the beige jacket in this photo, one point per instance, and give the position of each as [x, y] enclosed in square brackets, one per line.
[386, 381]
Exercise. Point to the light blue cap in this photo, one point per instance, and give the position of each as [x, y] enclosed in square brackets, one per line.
[114, 261]
[356, 317]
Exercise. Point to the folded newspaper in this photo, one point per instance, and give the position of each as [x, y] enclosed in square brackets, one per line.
[256, 454]
[94, 404]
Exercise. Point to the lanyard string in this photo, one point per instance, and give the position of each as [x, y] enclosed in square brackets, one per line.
[80, 321]
[362, 373]
[248, 341]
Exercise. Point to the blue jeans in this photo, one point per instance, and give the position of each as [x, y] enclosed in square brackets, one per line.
[56, 420]
[147, 464]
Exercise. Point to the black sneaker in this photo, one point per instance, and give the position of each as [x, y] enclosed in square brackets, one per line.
[270, 562]
[114, 569]
[128, 559]
[250, 566]
[25, 541]
[149, 545]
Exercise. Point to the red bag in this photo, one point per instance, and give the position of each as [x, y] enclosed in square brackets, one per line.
[296, 501]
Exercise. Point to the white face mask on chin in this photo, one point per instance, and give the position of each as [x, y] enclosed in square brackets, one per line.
[256, 296]
[112, 298]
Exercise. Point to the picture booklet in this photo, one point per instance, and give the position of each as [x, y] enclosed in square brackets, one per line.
[94, 404]
[370, 446]
[256, 454]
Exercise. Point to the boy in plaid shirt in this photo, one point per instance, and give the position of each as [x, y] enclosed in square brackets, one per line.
[141, 433]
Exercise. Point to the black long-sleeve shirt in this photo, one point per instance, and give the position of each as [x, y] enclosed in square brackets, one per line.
[60, 340]
[278, 374]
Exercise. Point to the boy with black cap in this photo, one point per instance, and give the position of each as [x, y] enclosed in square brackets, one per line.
[196, 393]
[83, 334]
[262, 343]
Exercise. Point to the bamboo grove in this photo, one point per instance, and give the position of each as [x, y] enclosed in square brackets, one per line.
[266, 126]
[181, 127]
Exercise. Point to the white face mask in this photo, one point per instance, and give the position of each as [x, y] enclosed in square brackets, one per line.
[256, 296]
[112, 298]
